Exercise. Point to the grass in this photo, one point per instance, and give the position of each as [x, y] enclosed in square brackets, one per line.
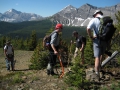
[17, 77]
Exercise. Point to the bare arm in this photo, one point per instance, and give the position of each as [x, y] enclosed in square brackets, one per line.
[83, 46]
[89, 33]
[53, 47]
[5, 52]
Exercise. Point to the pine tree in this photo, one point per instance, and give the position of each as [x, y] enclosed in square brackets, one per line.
[33, 41]
[88, 54]
[118, 21]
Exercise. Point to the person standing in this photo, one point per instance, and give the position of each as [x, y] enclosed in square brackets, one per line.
[80, 45]
[9, 55]
[54, 46]
[99, 47]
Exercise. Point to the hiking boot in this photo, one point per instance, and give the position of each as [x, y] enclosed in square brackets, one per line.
[48, 72]
[8, 69]
[95, 77]
[52, 73]
[13, 69]
[108, 53]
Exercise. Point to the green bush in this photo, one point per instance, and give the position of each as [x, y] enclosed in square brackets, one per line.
[77, 76]
[39, 59]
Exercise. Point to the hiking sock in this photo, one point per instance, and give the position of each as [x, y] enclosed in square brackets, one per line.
[97, 73]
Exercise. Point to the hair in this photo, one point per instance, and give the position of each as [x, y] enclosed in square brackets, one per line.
[75, 32]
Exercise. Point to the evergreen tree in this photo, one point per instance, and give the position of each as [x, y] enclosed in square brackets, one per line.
[89, 57]
[33, 41]
[118, 21]
[38, 60]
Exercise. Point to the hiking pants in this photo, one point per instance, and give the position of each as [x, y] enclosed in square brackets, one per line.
[52, 60]
[9, 63]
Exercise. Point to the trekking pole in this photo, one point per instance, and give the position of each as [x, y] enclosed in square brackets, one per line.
[61, 65]
[108, 59]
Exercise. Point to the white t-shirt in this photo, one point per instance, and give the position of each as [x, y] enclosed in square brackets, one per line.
[9, 49]
[94, 24]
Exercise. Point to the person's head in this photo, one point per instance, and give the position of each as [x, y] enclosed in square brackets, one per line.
[97, 12]
[75, 34]
[59, 27]
[8, 42]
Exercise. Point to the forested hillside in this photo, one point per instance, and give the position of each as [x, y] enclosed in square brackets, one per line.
[24, 29]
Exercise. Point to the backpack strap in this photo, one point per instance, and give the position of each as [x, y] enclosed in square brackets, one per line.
[7, 46]
[53, 33]
[100, 27]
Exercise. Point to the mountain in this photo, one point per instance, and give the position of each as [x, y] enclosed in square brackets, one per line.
[81, 16]
[17, 16]
[68, 16]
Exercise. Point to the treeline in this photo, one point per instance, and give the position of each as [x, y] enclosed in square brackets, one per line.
[21, 43]
[24, 29]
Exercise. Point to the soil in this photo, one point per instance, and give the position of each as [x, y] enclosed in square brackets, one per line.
[33, 79]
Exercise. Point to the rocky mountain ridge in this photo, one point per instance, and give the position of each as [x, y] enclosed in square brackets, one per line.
[13, 15]
[81, 16]
[69, 16]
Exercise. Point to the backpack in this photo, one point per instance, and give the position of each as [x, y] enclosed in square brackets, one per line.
[83, 39]
[47, 39]
[106, 29]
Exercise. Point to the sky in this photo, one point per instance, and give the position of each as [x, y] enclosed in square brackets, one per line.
[49, 7]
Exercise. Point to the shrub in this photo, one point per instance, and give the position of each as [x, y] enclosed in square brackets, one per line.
[77, 76]
[39, 59]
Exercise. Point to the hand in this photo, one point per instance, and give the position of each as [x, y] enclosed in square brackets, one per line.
[81, 50]
[55, 52]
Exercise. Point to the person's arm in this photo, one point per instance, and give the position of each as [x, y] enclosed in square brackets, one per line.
[53, 42]
[13, 50]
[83, 46]
[53, 47]
[89, 33]
[83, 43]
[5, 51]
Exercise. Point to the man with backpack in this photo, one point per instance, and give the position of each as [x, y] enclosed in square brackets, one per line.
[80, 45]
[53, 48]
[103, 31]
[9, 55]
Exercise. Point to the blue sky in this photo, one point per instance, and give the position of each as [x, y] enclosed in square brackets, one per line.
[49, 7]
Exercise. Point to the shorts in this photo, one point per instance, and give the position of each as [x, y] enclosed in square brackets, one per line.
[99, 47]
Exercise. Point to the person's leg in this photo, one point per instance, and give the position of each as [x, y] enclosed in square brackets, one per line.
[49, 66]
[97, 65]
[76, 52]
[7, 64]
[12, 64]
[96, 49]
[51, 63]
[82, 57]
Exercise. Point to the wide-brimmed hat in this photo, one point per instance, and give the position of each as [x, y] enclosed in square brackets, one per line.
[96, 12]
[8, 41]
